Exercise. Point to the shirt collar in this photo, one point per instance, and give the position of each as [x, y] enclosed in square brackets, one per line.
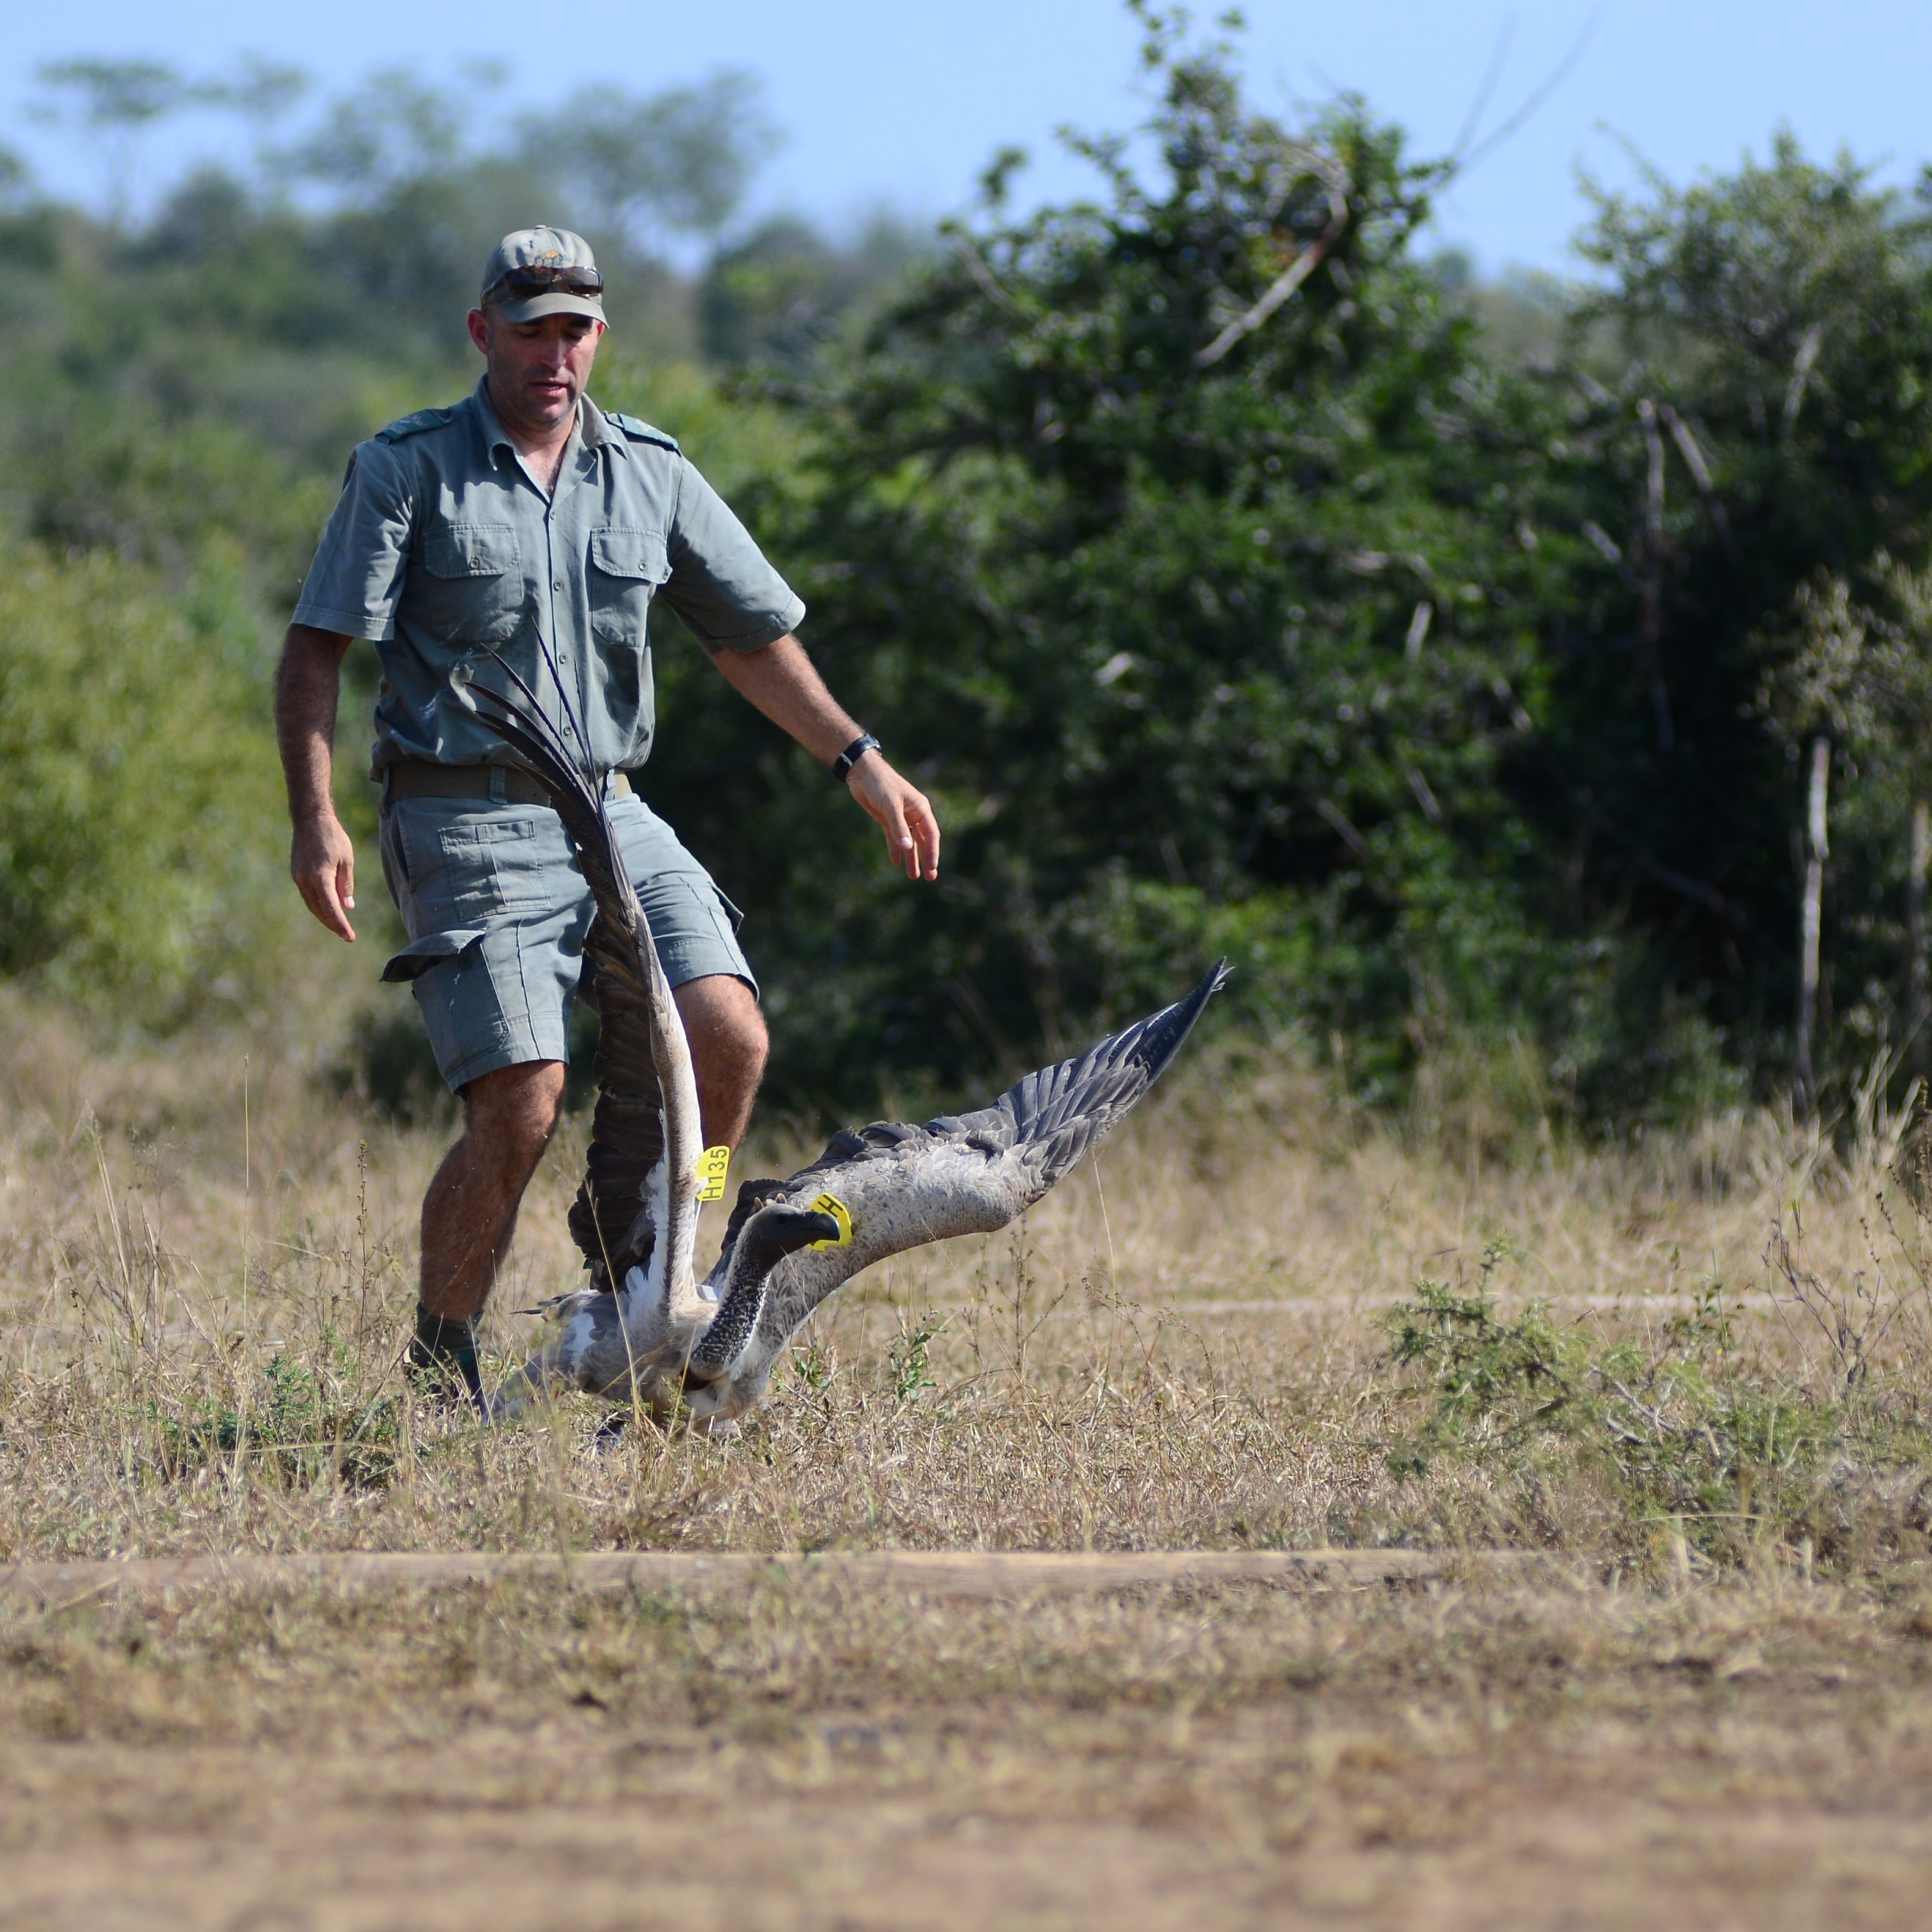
[590, 422]
[496, 438]
[591, 433]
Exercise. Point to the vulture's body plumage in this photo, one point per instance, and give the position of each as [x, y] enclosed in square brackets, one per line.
[646, 1325]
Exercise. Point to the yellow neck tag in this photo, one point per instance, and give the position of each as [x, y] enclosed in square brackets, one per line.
[830, 1203]
[713, 1164]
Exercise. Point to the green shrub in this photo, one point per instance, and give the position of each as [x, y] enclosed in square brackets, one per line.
[308, 1422]
[1684, 1434]
[142, 828]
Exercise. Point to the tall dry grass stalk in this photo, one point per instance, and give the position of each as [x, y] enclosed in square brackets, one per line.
[203, 1300]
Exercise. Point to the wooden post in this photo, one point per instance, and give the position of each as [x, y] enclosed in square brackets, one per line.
[1918, 973]
[1804, 1085]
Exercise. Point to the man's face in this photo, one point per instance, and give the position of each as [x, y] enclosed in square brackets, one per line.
[537, 370]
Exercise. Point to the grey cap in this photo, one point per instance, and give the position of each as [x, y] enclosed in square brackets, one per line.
[540, 248]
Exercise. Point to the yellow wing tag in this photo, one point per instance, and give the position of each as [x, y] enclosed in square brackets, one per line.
[713, 1164]
[830, 1203]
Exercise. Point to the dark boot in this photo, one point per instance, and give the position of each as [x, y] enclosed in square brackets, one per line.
[442, 1361]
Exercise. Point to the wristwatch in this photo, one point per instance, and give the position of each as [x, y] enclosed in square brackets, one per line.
[841, 766]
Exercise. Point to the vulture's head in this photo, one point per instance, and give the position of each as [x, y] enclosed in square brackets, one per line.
[766, 1236]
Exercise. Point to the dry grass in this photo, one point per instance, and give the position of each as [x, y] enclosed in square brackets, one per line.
[199, 1315]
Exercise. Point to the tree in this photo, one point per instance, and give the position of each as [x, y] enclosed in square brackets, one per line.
[140, 857]
[781, 297]
[116, 102]
[1745, 410]
[674, 163]
[1183, 533]
[395, 130]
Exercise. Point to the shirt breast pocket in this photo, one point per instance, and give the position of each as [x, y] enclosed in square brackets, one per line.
[472, 583]
[626, 567]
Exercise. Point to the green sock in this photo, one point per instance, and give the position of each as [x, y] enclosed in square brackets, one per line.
[444, 1350]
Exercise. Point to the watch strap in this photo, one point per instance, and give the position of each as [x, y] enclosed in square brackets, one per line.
[841, 766]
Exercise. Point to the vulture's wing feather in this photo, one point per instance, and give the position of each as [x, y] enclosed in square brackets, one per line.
[614, 1218]
[1049, 1119]
[903, 1185]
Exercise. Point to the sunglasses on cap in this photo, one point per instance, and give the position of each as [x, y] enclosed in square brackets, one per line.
[542, 278]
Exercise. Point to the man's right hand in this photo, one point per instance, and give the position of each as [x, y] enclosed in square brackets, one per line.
[322, 863]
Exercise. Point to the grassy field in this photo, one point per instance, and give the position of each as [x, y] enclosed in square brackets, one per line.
[1687, 1372]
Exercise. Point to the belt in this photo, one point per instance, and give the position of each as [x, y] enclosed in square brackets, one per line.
[503, 784]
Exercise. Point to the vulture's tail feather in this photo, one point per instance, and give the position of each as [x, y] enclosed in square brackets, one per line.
[524, 729]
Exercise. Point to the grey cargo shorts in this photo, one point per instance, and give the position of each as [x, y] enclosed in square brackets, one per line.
[496, 911]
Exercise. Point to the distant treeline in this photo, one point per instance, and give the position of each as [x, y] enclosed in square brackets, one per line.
[1509, 684]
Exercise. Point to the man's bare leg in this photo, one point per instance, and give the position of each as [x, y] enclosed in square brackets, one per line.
[728, 1045]
[470, 1212]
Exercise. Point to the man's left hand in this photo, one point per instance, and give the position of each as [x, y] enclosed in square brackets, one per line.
[901, 811]
[778, 677]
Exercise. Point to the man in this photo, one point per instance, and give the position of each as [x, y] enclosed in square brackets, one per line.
[525, 527]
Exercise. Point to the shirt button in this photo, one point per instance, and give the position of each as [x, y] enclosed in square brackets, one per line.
[558, 585]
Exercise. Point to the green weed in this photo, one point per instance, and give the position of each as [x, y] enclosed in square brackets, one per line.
[1681, 1436]
[908, 1364]
[304, 1421]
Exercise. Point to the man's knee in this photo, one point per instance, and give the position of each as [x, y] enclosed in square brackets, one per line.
[516, 1108]
[722, 1021]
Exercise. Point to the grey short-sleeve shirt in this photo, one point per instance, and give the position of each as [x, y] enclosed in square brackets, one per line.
[444, 552]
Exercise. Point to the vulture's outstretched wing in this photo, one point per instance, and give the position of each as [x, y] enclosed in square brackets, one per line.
[644, 1135]
[899, 1186]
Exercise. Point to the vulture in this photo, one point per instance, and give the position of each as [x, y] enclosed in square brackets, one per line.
[646, 1329]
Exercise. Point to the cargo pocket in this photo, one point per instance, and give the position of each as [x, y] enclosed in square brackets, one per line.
[432, 949]
[733, 958]
[475, 866]
[468, 985]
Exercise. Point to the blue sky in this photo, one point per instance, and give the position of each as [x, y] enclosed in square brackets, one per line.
[902, 102]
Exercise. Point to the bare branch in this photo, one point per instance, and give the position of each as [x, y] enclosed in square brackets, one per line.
[1333, 815]
[1431, 808]
[1687, 447]
[1558, 75]
[1298, 270]
[1420, 621]
[975, 266]
[1809, 344]
[1600, 541]
[1499, 54]
[1649, 623]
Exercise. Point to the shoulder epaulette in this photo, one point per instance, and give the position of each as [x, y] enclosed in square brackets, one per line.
[413, 424]
[640, 432]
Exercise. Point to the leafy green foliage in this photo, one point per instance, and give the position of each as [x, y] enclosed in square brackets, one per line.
[679, 161]
[1683, 1433]
[908, 1361]
[1431, 687]
[1747, 409]
[306, 1423]
[1203, 648]
[785, 293]
[1237, 581]
[140, 840]
[176, 401]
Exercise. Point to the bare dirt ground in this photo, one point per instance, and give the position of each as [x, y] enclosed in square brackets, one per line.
[1007, 1576]
[1445, 1757]
[1704, 1700]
